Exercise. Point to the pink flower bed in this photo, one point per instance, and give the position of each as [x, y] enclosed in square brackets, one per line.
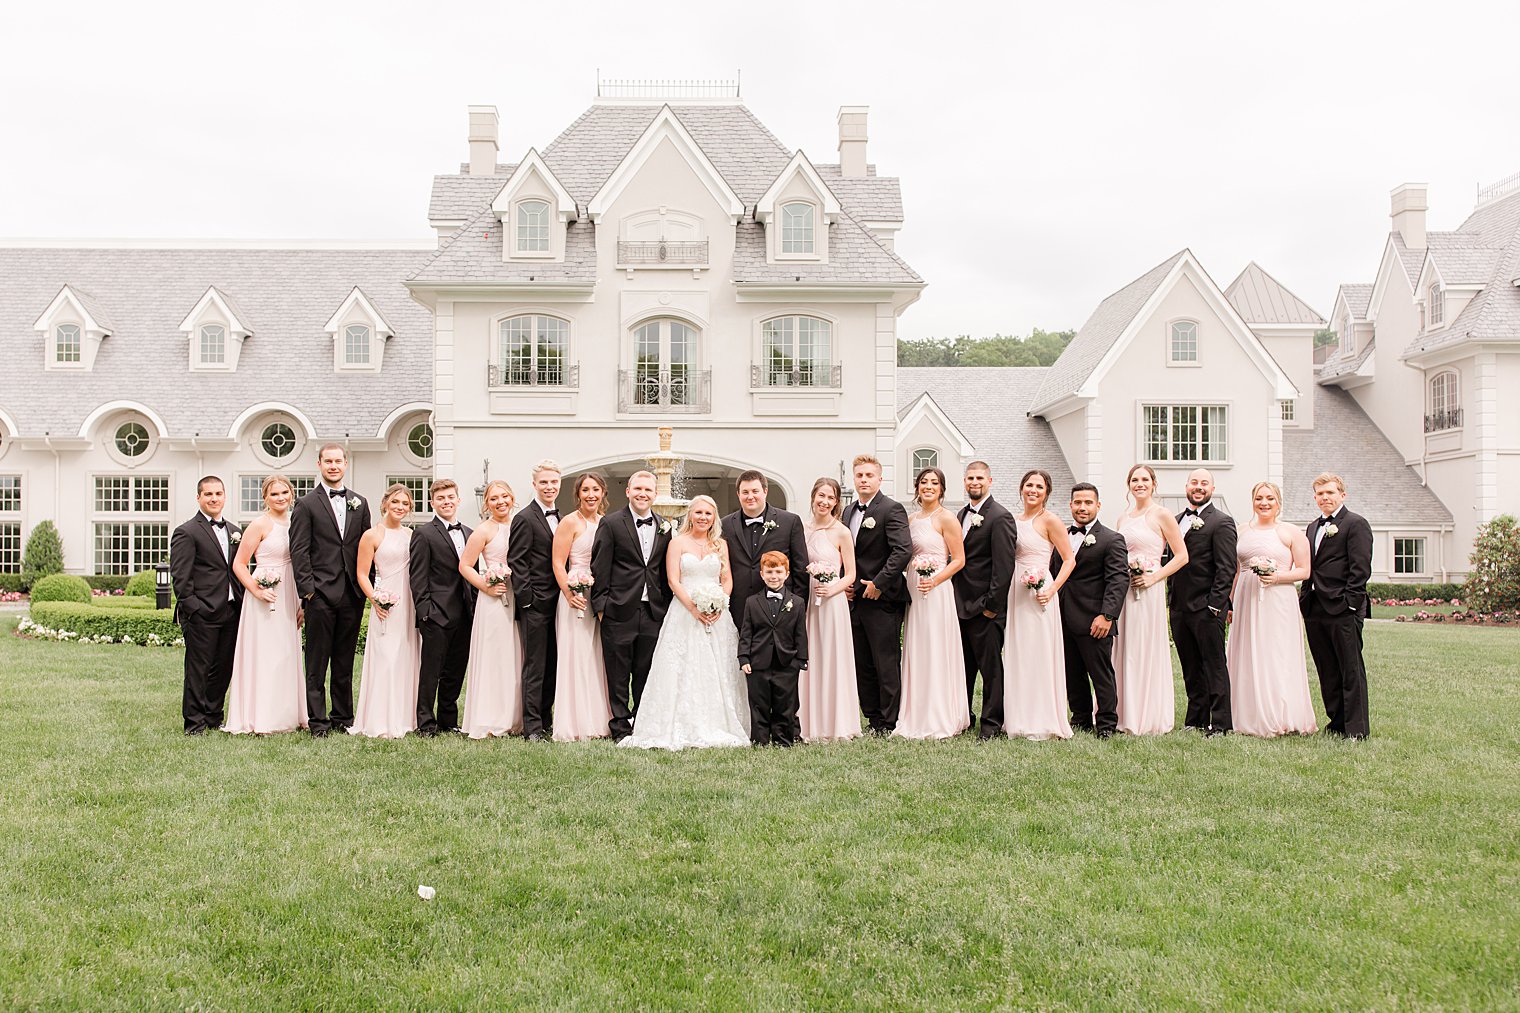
[1418, 601]
[1468, 617]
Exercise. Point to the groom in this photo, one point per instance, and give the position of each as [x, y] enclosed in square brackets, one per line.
[325, 528]
[208, 602]
[1334, 603]
[755, 529]
[1200, 605]
[630, 592]
[445, 606]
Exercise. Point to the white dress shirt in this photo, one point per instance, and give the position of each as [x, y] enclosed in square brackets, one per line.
[1319, 534]
[225, 543]
[456, 535]
[553, 522]
[858, 516]
[339, 505]
[646, 542]
[972, 510]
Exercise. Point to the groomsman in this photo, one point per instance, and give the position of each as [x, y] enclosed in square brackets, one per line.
[1200, 606]
[754, 529]
[208, 603]
[325, 527]
[879, 596]
[1334, 603]
[981, 592]
[1091, 600]
[445, 606]
[529, 555]
[630, 592]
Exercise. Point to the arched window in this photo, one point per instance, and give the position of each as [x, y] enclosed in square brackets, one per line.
[1184, 342]
[70, 348]
[797, 228]
[532, 351]
[664, 371]
[278, 440]
[1445, 402]
[356, 345]
[925, 457]
[1347, 335]
[213, 344]
[533, 227]
[797, 352]
[1435, 304]
[132, 439]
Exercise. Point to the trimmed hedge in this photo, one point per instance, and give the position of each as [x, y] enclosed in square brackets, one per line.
[61, 587]
[93, 621]
[125, 601]
[142, 583]
[106, 581]
[1378, 592]
[12, 583]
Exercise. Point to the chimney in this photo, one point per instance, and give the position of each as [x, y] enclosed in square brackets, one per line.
[1408, 214]
[483, 123]
[852, 140]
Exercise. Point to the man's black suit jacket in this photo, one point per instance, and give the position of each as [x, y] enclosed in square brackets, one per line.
[882, 548]
[786, 536]
[1340, 568]
[440, 594]
[619, 572]
[1205, 582]
[769, 643]
[1098, 582]
[530, 553]
[982, 584]
[326, 563]
[201, 575]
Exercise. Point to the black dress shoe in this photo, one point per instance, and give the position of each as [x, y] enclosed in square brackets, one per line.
[319, 733]
[427, 733]
[537, 737]
[1105, 733]
[197, 730]
[1214, 733]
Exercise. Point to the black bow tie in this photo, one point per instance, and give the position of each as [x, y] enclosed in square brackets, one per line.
[753, 520]
[773, 594]
[456, 526]
[552, 512]
[336, 493]
[1190, 512]
[639, 522]
[858, 507]
[1076, 529]
[1325, 520]
[218, 524]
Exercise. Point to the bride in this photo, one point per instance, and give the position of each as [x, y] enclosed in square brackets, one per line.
[696, 694]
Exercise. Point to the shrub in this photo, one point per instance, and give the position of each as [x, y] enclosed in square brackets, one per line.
[125, 601]
[143, 583]
[44, 553]
[1493, 583]
[1401, 592]
[87, 621]
[61, 587]
[11, 583]
[106, 581]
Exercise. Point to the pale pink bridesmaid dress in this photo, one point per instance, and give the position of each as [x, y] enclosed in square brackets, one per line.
[933, 666]
[1269, 679]
[1142, 652]
[1034, 658]
[268, 690]
[387, 706]
[830, 700]
[493, 697]
[581, 708]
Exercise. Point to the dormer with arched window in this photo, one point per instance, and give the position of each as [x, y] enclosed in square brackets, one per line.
[797, 211]
[1435, 305]
[534, 209]
[215, 330]
[72, 328]
[359, 332]
[1445, 410]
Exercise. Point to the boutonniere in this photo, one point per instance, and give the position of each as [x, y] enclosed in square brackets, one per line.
[234, 537]
[353, 502]
[1195, 522]
[1090, 540]
[787, 607]
[1330, 530]
[767, 528]
[976, 520]
[868, 523]
[666, 527]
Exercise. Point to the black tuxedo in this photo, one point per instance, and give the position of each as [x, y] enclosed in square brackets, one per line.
[326, 565]
[982, 586]
[773, 643]
[445, 608]
[630, 595]
[208, 604]
[530, 554]
[882, 550]
[1334, 603]
[747, 543]
[1097, 586]
[1199, 603]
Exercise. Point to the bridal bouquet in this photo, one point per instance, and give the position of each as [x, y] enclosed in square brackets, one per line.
[384, 601]
[498, 575]
[579, 581]
[823, 573]
[1262, 566]
[1139, 566]
[269, 581]
[709, 600]
[1033, 581]
[926, 565]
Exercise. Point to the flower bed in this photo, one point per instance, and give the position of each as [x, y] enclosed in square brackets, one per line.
[1394, 602]
[1470, 617]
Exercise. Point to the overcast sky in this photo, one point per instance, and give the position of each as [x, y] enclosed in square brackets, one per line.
[1049, 153]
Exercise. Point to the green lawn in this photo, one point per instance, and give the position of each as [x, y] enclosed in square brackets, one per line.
[143, 869]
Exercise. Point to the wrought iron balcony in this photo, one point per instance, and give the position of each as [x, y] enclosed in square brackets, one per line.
[553, 374]
[679, 390]
[789, 374]
[1435, 422]
[661, 252]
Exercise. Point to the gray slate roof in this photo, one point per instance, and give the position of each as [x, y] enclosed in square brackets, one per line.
[1098, 335]
[457, 197]
[286, 296]
[474, 253]
[1379, 486]
[1260, 298]
[1343, 364]
[1484, 250]
[1412, 260]
[854, 256]
[1358, 298]
[989, 405]
[871, 198]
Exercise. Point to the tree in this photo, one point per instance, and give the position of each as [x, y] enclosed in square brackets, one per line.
[1493, 584]
[1326, 336]
[44, 553]
[1039, 348]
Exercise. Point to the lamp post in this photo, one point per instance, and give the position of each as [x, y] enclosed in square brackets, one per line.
[161, 587]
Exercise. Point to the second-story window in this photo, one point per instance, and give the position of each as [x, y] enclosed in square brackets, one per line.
[532, 350]
[797, 228]
[1435, 305]
[69, 346]
[796, 352]
[533, 227]
[356, 345]
[1445, 403]
[1183, 346]
[213, 344]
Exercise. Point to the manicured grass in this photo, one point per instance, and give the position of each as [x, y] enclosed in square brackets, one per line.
[141, 869]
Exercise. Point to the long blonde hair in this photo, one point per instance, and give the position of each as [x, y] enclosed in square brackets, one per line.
[714, 535]
[485, 506]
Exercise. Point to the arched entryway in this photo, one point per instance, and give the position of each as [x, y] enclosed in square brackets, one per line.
[693, 478]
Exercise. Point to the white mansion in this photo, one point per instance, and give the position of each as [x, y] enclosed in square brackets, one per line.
[677, 264]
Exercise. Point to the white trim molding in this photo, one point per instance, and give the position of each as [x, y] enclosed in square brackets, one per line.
[666, 125]
[271, 408]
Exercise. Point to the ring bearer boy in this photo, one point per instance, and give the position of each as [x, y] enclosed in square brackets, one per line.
[772, 652]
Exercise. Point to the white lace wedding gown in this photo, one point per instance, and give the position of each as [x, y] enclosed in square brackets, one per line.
[696, 693]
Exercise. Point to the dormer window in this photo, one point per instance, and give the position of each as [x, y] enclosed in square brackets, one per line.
[215, 329]
[533, 226]
[1182, 348]
[70, 345]
[357, 341]
[1435, 305]
[213, 341]
[797, 228]
[359, 334]
[1348, 337]
[71, 328]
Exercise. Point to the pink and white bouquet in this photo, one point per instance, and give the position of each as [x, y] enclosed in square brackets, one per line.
[1139, 566]
[709, 600]
[268, 580]
[926, 565]
[384, 600]
[499, 575]
[1034, 581]
[823, 573]
[579, 581]
[1262, 566]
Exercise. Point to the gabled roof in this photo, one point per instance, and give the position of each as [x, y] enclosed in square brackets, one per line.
[1459, 259]
[532, 162]
[1260, 298]
[473, 255]
[666, 125]
[456, 198]
[798, 166]
[1484, 251]
[924, 406]
[1356, 297]
[84, 304]
[357, 296]
[1412, 260]
[855, 257]
[214, 296]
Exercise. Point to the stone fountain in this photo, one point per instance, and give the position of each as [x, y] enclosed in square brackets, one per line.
[666, 465]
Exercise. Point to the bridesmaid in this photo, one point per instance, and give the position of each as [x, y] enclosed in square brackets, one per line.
[268, 691]
[392, 647]
[581, 708]
[1269, 681]
[934, 702]
[830, 706]
[1142, 648]
[493, 700]
[1034, 657]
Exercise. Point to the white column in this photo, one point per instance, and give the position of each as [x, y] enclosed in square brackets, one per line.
[1485, 427]
[443, 390]
[886, 395]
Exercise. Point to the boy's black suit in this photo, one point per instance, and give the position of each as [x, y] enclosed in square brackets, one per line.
[773, 643]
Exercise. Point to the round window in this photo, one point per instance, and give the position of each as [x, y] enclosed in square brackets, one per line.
[278, 440]
[132, 439]
[420, 441]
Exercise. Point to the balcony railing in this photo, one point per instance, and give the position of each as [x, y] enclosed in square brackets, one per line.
[660, 252]
[790, 375]
[680, 390]
[1435, 422]
[542, 375]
